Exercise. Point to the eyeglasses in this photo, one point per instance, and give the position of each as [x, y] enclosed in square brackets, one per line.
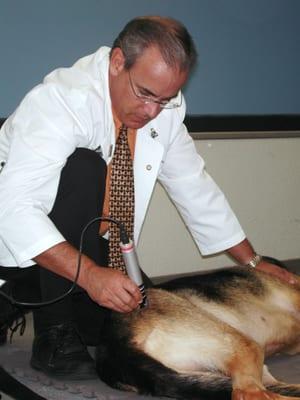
[174, 102]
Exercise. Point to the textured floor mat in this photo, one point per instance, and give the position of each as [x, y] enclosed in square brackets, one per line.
[16, 361]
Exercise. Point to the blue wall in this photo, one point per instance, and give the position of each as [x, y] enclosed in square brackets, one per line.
[249, 49]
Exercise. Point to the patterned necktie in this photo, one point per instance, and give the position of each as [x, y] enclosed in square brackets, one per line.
[121, 200]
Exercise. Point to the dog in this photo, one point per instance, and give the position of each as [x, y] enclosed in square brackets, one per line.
[205, 337]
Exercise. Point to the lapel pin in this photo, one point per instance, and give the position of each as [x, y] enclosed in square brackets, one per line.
[153, 133]
[2, 164]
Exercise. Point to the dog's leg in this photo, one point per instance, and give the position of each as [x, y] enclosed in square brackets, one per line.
[247, 389]
[276, 386]
[264, 395]
[247, 382]
[268, 378]
[248, 373]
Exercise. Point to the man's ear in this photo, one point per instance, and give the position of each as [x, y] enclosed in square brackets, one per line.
[117, 61]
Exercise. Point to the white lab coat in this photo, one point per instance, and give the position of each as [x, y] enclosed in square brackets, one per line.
[71, 109]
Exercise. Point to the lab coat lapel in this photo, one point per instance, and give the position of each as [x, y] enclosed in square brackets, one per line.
[147, 159]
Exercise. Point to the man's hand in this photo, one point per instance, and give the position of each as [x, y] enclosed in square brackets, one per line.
[112, 289]
[279, 272]
[243, 253]
[107, 287]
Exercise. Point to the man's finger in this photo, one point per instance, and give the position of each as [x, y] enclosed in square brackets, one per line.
[133, 290]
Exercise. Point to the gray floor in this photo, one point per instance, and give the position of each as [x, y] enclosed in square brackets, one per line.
[5, 397]
[15, 359]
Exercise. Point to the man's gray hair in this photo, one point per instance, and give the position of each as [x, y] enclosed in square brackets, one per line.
[170, 36]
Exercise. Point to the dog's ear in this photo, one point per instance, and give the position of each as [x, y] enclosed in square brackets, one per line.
[272, 260]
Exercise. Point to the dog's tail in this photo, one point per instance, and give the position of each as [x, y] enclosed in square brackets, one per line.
[138, 372]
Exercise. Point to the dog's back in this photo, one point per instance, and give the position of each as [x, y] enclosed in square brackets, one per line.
[178, 346]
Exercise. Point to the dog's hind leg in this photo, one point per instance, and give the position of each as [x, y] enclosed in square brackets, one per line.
[249, 376]
[246, 382]
[268, 378]
[276, 386]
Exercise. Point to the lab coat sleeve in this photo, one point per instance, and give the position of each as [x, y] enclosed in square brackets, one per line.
[43, 133]
[199, 200]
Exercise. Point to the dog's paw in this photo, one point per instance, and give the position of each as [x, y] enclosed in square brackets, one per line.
[239, 394]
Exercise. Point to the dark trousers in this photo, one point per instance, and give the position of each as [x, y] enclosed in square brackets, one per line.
[79, 199]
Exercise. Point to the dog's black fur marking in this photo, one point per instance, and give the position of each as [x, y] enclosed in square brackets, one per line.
[217, 286]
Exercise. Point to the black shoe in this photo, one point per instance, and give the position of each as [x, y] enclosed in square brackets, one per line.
[60, 353]
[3, 335]
[11, 316]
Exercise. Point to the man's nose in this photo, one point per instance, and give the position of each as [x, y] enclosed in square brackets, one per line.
[152, 109]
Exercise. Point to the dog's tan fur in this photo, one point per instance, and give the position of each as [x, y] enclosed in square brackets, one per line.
[191, 335]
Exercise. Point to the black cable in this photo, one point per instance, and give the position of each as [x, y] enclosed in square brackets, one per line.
[125, 239]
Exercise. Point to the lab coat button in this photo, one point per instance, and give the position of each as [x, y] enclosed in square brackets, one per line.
[148, 167]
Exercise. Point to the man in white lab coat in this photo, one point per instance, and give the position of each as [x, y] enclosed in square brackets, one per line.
[54, 151]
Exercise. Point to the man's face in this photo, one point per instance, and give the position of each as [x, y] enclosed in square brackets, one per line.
[150, 76]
